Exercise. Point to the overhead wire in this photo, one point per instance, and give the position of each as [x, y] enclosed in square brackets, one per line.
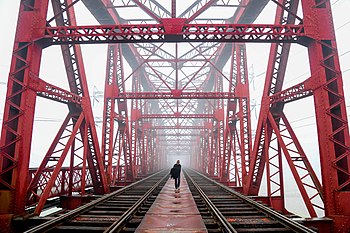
[335, 2]
[346, 23]
[307, 72]
[42, 119]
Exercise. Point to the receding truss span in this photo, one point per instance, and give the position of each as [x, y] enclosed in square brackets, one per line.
[164, 99]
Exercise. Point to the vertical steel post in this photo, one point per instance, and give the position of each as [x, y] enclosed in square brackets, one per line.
[17, 127]
[331, 117]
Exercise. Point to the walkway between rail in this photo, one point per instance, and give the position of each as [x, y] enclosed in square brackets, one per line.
[175, 212]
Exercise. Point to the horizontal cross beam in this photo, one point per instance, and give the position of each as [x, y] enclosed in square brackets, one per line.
[178, 134]
[180, 32]
[50, 91]
[174, 127]
[175, 94]
[177, 115]
[293, 93]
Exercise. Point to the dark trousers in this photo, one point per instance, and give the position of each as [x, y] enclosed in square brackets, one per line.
[177, 182]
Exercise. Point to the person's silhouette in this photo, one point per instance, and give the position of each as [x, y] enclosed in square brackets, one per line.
[175, 173]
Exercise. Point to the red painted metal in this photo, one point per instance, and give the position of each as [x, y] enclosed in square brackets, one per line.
[293, 93]
[109, 112]
[265, 153]
[73, 60]
[53, 92]
[177, 102]
[148, 11]
[177, 115]
[189, 127]
[167, 32]
[56, 162]
[42, 187]
[116, 149]
[16, 134]
[237, 145]
[174, 94]
[304, 175]
[62, 180]
[331, 117]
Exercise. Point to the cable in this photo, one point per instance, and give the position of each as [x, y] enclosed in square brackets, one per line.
[347, 22]
[42, 119]
[345, 70]
[304, 118]
[344, 53]
[335, 2]
[303, 125]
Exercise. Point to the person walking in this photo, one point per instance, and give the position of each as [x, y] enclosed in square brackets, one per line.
[175, 173]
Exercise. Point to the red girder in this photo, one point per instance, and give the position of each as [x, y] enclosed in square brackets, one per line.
[179, 127]
[242, 89]
[53, 92]
[304, 175]
[178, 134]
[291, 94]
[331, 116]
[63, 179]
[237, 148]
[109, 110]
[182, 140]
[201, 7]
[90, 158]
[54, 161]
[75, 70]
[117, 152]
[183, 33]
[177, 115]
[154, 9]
[149, 11]
[274, 80]
[105, 15]
[17, 125]
[174, 94]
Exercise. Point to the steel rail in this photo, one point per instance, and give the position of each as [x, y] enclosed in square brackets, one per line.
[293, 225]
[223, 221]
[51, 224]
[129, 213]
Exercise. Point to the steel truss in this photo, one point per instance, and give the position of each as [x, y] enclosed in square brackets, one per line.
[178, 105]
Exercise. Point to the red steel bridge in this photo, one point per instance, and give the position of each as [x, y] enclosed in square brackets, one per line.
[176, 83]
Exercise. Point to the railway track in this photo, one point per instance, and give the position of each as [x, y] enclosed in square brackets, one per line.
[120, 211]
[235, 212]
[221, 208]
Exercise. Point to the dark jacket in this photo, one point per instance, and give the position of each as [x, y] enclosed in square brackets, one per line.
[175, 171]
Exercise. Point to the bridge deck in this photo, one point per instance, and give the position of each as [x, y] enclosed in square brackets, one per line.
[173, 212]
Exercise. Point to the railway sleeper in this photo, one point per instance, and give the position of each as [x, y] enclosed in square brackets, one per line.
[242, 213]
[113, 207]
[106, 212]
[85, 229]
[264, 230]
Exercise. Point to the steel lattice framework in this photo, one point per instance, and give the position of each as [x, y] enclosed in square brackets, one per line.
[190, 99]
